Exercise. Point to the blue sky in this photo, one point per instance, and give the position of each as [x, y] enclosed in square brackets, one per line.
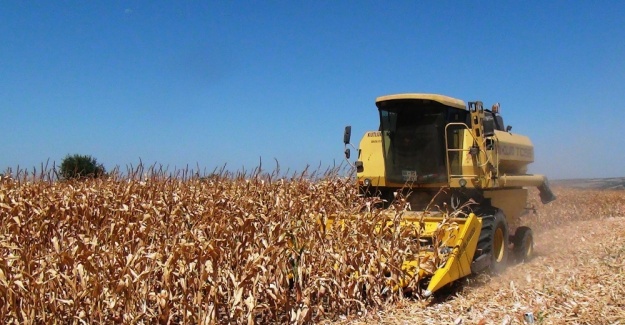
[208, 83]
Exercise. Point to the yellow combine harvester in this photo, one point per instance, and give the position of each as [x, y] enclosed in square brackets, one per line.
[429, 142]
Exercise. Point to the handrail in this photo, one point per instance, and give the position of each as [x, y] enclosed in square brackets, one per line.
[448, 150]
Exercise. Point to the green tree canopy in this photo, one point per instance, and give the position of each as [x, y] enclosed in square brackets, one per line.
[81, 166]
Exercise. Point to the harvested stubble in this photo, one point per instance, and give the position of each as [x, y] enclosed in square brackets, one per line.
[223, 249]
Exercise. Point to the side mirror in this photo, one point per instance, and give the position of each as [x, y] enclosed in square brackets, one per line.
[508, 128]
[347, 153]
[347, 135]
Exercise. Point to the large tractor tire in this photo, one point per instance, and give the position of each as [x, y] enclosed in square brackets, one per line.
[492, 246]
[523, 244]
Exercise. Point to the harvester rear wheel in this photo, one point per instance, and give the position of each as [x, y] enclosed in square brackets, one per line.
[494, 240]
[523, 244]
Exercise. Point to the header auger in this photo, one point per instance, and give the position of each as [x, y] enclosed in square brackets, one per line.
[429, 142]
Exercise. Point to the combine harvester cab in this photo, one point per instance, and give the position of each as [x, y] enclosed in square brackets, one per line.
[438, 152]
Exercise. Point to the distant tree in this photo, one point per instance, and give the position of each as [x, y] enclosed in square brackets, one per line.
[81, 166]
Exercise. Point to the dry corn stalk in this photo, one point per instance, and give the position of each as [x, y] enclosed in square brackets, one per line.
[230, 248]
[242, 248]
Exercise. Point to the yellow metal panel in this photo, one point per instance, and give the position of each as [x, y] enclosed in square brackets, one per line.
[372, 158]
[511, 201]
[458, 264]
[514, 152]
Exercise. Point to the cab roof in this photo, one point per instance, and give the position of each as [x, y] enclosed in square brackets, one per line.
[445, 100]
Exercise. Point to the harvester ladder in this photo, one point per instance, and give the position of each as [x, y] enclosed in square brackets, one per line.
[476, 110]
[461, 150]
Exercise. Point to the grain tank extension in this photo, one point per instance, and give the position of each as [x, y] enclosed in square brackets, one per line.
[429, 142]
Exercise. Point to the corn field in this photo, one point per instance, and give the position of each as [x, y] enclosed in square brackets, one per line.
[250, 248]
[230, 248]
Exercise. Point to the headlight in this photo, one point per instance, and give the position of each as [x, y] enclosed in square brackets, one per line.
[367, 182]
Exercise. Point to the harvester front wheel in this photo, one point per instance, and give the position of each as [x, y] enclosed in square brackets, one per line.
[523, 244]
[494, 240]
